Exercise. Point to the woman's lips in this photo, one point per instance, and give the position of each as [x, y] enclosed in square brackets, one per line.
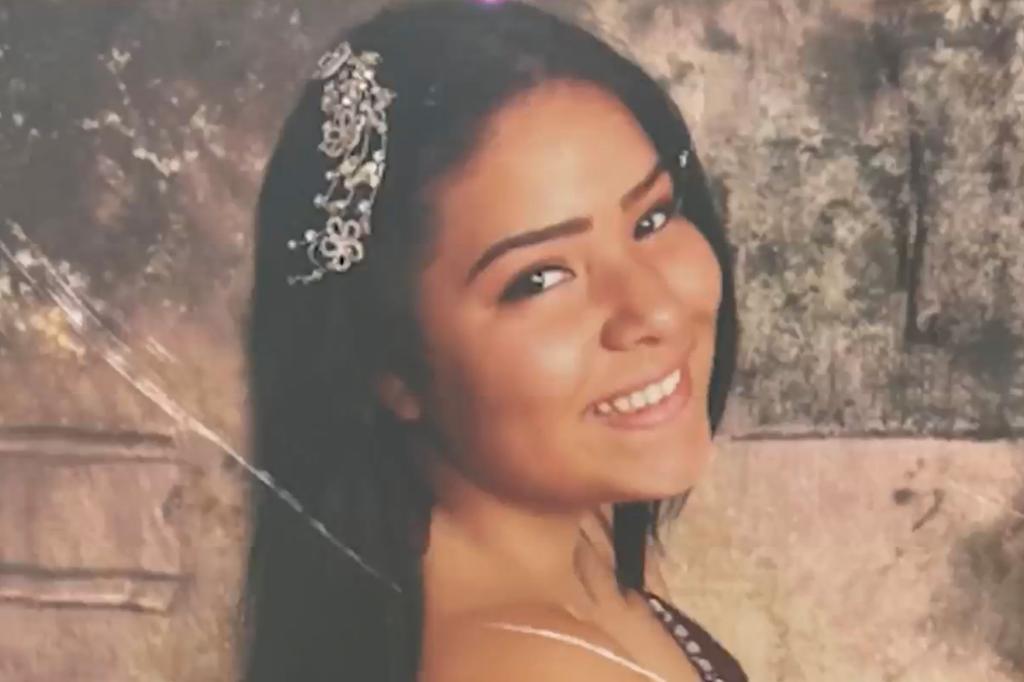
[652, 415]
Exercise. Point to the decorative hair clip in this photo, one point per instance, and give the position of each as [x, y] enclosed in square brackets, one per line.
[355, 133]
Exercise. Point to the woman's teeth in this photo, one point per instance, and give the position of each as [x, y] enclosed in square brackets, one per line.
[645, 397]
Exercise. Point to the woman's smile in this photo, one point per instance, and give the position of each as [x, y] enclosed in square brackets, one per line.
[651, 405]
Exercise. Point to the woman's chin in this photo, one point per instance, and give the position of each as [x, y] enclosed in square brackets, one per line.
[666, 475]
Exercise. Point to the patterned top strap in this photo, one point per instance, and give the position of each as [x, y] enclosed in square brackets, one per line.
[707, 655]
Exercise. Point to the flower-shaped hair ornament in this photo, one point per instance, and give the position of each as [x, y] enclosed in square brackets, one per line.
[355, 135]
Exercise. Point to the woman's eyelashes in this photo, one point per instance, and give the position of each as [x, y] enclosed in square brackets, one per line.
[540, 278]
[657, 217]
[533, 281]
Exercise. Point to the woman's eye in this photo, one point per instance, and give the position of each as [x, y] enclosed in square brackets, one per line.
[534, 282]
[655, 219]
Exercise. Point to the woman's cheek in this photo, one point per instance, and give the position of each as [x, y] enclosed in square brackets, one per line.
[545, 360]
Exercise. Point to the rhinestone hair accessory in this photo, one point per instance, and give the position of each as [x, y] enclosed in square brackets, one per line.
[355, 135]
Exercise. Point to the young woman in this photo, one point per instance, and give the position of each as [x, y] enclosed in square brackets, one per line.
[509, 307]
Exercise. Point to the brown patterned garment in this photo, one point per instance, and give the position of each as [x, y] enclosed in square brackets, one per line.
[708, 656]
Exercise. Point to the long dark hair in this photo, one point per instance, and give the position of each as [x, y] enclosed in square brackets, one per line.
[312, 613]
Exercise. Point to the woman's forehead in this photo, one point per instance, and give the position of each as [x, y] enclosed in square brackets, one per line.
[560, 151]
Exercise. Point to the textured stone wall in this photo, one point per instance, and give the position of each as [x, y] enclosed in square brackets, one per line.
[865, 518]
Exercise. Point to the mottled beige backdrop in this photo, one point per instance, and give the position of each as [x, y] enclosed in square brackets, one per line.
[864, 520]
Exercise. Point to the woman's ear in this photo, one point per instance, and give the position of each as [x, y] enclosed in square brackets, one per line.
[398, 398]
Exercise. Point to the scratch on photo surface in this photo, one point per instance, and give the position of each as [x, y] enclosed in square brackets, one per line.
[48, 281]
[158, 350]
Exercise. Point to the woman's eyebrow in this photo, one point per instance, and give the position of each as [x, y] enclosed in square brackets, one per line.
[494, 251]
[561, 229]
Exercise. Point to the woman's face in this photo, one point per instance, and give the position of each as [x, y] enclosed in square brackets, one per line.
[560, 283]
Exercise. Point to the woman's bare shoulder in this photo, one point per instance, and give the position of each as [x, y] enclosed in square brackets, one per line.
[509, 645]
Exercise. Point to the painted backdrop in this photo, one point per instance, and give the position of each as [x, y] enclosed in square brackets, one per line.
[865, 517]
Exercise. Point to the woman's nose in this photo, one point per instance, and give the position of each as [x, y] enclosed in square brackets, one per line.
[643, 309]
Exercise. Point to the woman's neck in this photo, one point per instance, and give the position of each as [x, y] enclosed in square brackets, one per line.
[485, 551]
